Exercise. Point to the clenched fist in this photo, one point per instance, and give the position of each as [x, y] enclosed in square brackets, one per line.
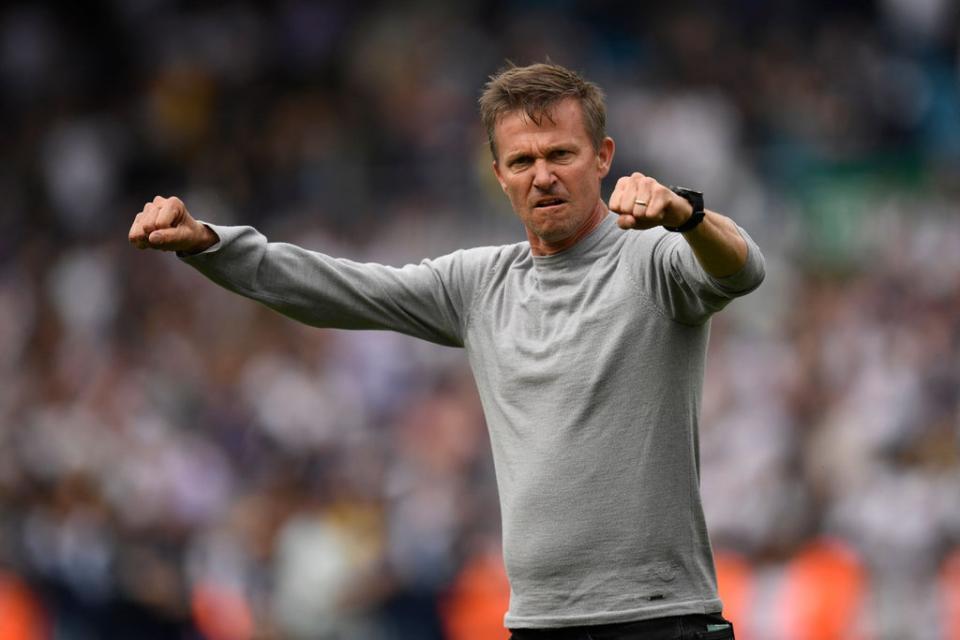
[644, 203]
[166, 224]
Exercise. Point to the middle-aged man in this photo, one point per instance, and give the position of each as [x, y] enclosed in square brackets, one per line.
[587, 343]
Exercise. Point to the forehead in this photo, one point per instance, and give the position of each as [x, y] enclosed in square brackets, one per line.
[562, 123]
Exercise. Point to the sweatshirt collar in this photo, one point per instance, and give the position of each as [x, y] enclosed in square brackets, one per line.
[583, 248]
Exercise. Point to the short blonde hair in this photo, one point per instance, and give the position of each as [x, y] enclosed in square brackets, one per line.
[536, 89]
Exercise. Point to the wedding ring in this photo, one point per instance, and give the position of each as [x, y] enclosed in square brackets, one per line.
[640, 202]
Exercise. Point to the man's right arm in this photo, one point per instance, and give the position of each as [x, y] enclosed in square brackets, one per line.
[429, 300]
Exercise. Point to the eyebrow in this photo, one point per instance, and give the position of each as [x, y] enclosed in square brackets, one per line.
[514, 157]
[521, 155]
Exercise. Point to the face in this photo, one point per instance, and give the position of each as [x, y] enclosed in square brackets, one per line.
[551, 172]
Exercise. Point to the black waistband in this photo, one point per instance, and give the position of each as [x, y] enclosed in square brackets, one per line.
[669, 627]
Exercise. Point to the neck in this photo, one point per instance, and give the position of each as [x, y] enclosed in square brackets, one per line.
[541, 247]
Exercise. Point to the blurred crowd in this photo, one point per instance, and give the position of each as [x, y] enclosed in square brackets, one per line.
[177, 462]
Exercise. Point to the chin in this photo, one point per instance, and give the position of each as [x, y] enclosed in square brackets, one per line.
[553, 234]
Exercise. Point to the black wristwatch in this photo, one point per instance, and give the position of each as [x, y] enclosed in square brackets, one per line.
[695, 198]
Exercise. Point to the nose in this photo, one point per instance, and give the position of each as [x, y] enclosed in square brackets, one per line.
[543, 177]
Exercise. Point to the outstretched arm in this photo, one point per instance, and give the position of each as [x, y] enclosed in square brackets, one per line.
[429, 300]
[716, 242]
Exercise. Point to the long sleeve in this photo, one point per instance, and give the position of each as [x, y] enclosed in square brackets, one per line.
[669, 271]
[429, 300]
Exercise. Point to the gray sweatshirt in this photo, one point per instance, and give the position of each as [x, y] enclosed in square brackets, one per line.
[589, 365]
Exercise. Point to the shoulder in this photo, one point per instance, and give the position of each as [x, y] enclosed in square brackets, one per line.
[473, 268]
[491, 258]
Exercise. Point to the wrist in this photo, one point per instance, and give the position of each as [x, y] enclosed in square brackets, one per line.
[207, 237]
[210, 237]
[697, 228]
[695, 201]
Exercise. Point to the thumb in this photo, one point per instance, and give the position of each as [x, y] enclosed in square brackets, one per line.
[170, 239]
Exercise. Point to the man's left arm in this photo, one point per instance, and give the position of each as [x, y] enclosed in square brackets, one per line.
[643, 203]
[696, 266]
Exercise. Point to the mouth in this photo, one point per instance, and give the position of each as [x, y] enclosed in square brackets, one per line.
[547, 203]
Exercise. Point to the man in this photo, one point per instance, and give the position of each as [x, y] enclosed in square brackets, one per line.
[587, 343]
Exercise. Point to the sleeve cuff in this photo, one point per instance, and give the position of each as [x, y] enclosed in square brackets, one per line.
[750, 274]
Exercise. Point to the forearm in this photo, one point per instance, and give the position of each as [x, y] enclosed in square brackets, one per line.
[718, 245]
[324, 291]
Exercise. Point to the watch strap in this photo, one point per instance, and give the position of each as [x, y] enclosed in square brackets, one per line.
[695, 198]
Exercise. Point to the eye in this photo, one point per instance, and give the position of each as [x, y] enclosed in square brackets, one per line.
[561, 154]
[520, 162]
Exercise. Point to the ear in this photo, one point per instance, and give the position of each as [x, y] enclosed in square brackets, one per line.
[496, 172]
[605, 156]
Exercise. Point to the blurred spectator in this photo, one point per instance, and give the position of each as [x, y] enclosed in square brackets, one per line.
[21, 615]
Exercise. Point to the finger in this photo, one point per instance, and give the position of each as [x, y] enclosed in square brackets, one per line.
[135, 230]
[641, 192]
[641, 206]
[626, 221]
[167, 214]
[653, 212]
[627, 195]
[148, 221]
[643, 203]
[638, 203]
[614, 202]
[136, 234]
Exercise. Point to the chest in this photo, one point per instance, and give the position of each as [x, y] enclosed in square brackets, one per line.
[567, 329]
